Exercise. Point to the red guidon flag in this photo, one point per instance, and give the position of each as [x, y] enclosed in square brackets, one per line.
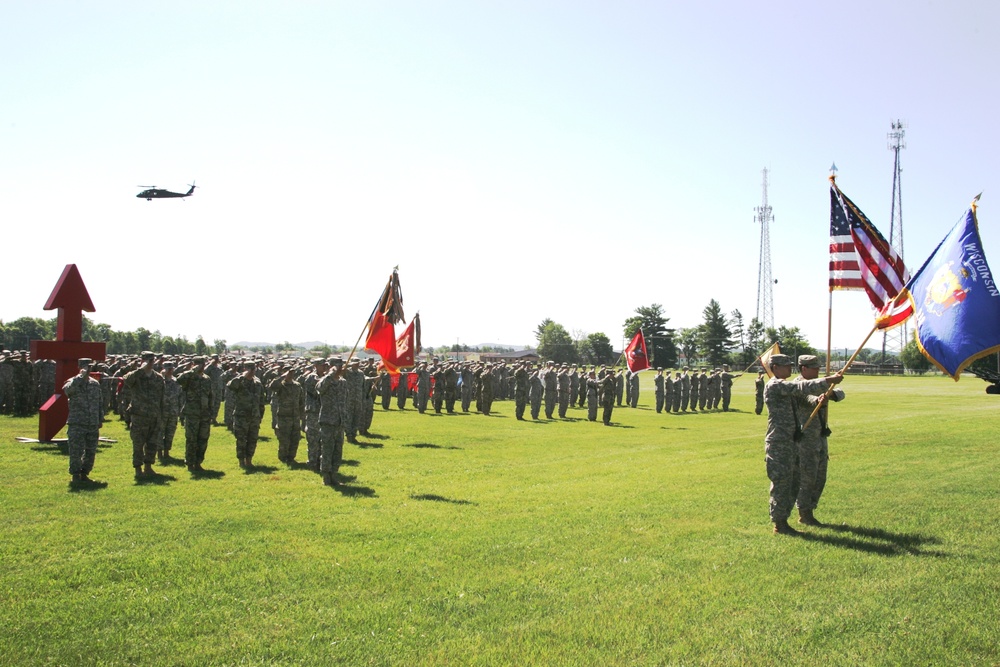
[408, 344]
[635, 353]
[382, 339]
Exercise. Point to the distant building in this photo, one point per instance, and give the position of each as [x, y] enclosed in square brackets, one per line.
[518, 355]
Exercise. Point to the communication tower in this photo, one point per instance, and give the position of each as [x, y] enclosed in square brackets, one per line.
[765, 284]
[895, 340]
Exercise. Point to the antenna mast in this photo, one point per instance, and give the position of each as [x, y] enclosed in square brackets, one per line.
[895, 340]
[765, 284]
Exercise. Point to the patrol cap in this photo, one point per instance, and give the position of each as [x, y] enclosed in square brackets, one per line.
[85, 362]
[200, 359]
[250, 364]
[336, 361]
[781, 360]
[168, 364]
[146, 354]
[808, 361]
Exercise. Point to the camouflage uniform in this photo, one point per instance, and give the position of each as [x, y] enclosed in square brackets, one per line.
[84, 422]
[288, 404]
[786, 403]
[758, 387]
[536, 388]
[563, 384]
[247, 395]
[609, 392]
[332, 389]
[726, 381]
[703, 385]
[520, 391]
[450, 388]
[355, 396]
[694, 383]
[814, 454]
[468, 387]
[619, 387]
[312, 405]
[144, 387]
[385, 389]
[658, 390]
[215, 372]
[199, 394]
[551, 387]
[633, 396]
[171, 414]
[423, 389]
[685, 391]
[593, 390]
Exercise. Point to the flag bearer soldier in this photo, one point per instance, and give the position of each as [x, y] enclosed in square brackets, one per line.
[787, 402]
[247, 394]
[84, 421]
[171, 411]
[814, 452]
[199, 394]
[144, 387]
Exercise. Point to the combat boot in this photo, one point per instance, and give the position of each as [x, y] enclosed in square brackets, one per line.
[806, 518]
[781, 527]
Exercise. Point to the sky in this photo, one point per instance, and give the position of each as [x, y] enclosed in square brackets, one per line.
[518, 161]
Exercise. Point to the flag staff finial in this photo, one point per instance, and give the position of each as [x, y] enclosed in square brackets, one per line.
[975, 202]
[833, 173]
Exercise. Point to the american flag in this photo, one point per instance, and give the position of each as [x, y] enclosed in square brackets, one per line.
[860, 258]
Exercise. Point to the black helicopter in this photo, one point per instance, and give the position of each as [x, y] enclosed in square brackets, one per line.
[154, 193]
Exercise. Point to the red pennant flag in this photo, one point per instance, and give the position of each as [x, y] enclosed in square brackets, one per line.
[382, 339]
[635, 353]
[406, 348]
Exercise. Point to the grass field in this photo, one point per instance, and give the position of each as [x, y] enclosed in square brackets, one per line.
[474, 540]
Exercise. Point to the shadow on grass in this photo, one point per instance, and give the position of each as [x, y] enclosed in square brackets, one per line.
[875, 540]
[61, 447]
[440, 499]
[298, 465]
[428, 445]
[351, 463]
[673, 428]
[617, 425]
[376, 436]
[256, 468]
[345, 488]
[93, 485]
[207, 474]
[368, 445]
[171, 461]
[157, 478]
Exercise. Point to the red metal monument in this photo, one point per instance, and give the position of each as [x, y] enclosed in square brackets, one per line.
[71, 298]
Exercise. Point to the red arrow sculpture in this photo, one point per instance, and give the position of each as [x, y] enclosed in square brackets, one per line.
[71, 298]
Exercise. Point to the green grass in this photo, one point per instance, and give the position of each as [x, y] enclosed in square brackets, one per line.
[472, 540]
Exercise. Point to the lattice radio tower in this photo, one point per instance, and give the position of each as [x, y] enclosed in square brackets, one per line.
[895, 340]
[765, 284]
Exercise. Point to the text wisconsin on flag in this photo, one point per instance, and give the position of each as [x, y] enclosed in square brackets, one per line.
[860, 258]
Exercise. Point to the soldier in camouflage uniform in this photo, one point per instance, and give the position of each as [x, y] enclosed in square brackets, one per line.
[24, 386]
[199, 393]
[593, 395]
[814, 452]
[423, 387]
[332, 389]
[403, 389]
[385, 388]
[247, 394]
[84, 421]
[450, 388]
[520, 391]
[703, 387]
[468, 386]
[609, 392]
[685, 390]
[658, 390]
[536, 389]
[312, 405]
[550, 378]
[726, 379]
[45, 372]
[214, 370]
[355, 395]
[171, 411]
[633, 395]
[758, 387]
[437, 392]
[563, 384]
[620, 386]
[787, 402]
[144, 388]
[288, 405]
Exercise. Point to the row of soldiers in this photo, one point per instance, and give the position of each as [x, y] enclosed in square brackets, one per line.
[693, 390]
[24, 384]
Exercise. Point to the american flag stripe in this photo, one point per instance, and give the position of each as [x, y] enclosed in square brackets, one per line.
[896, 312]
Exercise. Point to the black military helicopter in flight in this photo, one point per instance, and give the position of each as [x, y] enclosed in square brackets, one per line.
[153, 193]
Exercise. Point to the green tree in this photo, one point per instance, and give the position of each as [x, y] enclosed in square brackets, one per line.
[659, 339]
[143, 337]
[555, 343]
[914, 360]
[219, 344]
[714, 337]
[200, 347]
[790, 341]
[687, 340]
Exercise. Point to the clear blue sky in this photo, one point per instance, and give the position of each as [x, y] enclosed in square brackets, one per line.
[517, 160]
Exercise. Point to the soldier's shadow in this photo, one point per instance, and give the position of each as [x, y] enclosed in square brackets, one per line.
[77, 487]
[256, 468]
[207, 474]
[157, 479]
[368, 445]
[440, 499]
[377, 436]
[876, 540]
[344, 487]
[428, 445]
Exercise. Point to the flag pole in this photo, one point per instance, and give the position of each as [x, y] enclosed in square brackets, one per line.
[842, 371]
[829, 311]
